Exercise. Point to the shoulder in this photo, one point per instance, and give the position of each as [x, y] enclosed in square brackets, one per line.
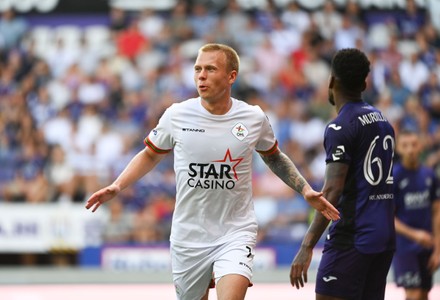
[397, 169]
[181, 106]
[255, 110]
[428, 171]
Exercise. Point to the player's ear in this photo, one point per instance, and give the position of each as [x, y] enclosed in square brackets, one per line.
[363, 86]
[232, 76]
[331, 82]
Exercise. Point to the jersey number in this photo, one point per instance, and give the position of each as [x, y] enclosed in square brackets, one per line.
[387, 144]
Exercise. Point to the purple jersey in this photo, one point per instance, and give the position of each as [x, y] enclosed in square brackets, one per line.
[415, 191]
[361, 137]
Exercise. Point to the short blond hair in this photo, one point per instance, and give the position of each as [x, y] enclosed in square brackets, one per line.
[232, 58]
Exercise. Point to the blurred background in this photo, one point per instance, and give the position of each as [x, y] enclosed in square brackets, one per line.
[83, 82]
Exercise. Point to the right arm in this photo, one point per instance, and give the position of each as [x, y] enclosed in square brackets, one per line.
[335, 175]
[142, 163]
[419, 236]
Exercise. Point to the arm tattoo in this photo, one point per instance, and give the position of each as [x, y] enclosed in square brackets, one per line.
[285, 169]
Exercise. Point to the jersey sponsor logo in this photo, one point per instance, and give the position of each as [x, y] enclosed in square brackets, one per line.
[155, 131]
[329, 278]
[335, 127]
[240, 131]
[193, 129]
[416, 200]
[338, 153]
[219, 174]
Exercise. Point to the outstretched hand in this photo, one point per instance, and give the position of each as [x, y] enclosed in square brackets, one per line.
[102, 196]
[299, 267]
[318, 202]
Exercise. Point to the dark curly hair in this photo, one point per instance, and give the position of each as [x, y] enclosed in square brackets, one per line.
[351, 67]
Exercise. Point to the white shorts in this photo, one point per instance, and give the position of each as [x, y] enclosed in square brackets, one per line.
[193, 268]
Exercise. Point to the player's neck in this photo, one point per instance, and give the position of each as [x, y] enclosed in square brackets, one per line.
[343, 99]
[217, 107]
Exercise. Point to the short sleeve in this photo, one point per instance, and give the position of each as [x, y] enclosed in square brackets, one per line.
[337, 143]
[267, 142]
[435, 187]
[160, 139]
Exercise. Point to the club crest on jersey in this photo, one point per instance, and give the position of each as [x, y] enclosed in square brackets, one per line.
[240, 131]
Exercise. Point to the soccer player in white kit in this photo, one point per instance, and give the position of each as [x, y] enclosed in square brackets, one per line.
[213, 137]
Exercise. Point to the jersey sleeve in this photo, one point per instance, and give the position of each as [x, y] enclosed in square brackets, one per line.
[337, 143]
[435, 192]
[160, 139]
[267, 142]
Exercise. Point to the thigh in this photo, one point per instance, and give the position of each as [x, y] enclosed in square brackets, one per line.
[232, 287]
[341, 274]
[192, 271]
[376, 280]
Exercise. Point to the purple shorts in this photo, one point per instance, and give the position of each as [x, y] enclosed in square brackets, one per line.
[350, 274]
[411, 270]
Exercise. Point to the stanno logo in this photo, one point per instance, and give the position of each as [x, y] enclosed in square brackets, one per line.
[193, 129]
[246, 265]
[329, 278]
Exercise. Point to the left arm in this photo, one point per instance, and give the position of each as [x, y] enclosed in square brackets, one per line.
[434, 261]
[286, 170]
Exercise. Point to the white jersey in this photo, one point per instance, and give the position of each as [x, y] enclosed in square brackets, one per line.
[213, 167]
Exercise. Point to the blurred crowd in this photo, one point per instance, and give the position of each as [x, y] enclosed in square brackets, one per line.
[73, 111]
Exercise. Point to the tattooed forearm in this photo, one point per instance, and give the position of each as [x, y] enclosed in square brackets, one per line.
[284, 168]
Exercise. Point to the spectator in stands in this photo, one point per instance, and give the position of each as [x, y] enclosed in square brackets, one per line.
[12, 29]
[413, 72]
[119, 19]
[202, 21]
[236, 21]
[399, 93]
[118, 229]
[328, 20]
[349, 35]
[295, 18]
[130, 41]
[429, 95]
[411, 21]
[61, 176]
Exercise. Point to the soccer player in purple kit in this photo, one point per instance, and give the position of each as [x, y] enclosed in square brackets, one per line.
[359, 145]
[417, 219]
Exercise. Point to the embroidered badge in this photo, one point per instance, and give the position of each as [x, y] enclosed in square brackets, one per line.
[240, 131]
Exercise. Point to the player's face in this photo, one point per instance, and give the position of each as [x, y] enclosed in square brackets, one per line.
[212, 79]
[409, 148]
